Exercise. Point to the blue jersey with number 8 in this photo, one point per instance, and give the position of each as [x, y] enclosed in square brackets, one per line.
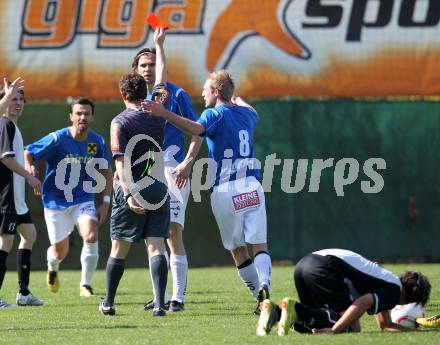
[229, 131]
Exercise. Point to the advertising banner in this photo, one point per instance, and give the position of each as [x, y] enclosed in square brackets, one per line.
[273, 48]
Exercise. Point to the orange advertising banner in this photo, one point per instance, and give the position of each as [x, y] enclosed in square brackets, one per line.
[273, 48]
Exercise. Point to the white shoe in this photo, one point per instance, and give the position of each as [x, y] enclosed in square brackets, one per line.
[5, 305]
[28, 300]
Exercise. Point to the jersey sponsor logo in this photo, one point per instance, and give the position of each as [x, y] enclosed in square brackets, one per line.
[114, 137]
[92, 148]
[245, 201]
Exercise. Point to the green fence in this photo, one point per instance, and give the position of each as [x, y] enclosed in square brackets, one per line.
[398, 223]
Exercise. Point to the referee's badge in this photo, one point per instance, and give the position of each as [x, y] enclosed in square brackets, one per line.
[92, 148]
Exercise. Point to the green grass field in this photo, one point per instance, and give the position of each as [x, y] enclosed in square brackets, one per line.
[218, 311]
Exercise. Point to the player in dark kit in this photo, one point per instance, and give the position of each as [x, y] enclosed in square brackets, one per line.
[14, 213]
[335, 288]
[137, 212]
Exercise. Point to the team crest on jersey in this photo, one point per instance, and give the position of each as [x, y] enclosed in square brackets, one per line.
[92, 148]
[246, 201]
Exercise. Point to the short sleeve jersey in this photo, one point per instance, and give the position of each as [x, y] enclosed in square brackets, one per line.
[229, 131]
[139, 137]
[365, 276]
[69, 167]
[7, 135]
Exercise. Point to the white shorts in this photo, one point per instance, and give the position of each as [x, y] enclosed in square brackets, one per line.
[178, 197]
[240, 215]
[60, 223]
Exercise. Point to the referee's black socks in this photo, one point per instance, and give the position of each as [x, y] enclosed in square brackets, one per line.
[114, 272]
[159, 274]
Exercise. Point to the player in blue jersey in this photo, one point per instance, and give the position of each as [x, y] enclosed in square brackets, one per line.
[77, 170]
[237, 198]
[14, 213]
[177, 170]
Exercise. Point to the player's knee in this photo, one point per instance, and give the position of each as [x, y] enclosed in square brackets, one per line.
[28, 238]
[6, 242]
[175, 231]
[91, 237]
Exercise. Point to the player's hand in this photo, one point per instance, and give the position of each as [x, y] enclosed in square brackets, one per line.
[12, 89]
[159, 36]
[134, 205]
[34, 183]
[181, 173]
[31, 169]
[153, 108]
[102, 212]
[322, 330]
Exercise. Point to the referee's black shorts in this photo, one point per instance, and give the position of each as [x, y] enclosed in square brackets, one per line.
[320, 284]
[129, 226]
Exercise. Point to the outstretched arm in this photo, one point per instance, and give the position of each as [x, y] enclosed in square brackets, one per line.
[161, 63]
[186, 125]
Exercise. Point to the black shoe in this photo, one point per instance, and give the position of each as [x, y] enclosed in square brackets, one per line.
[150, 305]
[176, 306]
[159, 312]
[263, 294]
[107, 310]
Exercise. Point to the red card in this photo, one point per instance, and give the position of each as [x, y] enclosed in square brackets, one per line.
[155, 22]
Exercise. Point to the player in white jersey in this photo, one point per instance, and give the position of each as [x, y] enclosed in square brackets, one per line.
[335, 288]
[14, 213]
[237, 198]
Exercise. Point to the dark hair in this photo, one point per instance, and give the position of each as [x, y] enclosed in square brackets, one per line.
[82, 101]
[416, 287]
[3, 92]
[144, 51]
[133, 87]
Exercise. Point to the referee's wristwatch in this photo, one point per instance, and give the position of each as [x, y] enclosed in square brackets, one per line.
[127, 196]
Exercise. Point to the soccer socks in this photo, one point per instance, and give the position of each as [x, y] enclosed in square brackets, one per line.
[263, 265]
[114, 272]
[3, 258]
[159, 275]
[89, 261]
[179, 270]
[167, 298]
[53, 264]
[24, 270]
[249, 276]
